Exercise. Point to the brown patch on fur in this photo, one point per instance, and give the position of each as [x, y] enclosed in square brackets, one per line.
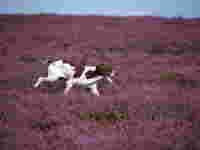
[80, 66]
[91, 74]
[101, 70]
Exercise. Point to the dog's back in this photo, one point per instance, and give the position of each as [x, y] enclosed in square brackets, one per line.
[61, 69]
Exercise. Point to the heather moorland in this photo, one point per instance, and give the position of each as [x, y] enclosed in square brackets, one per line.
[153, 103]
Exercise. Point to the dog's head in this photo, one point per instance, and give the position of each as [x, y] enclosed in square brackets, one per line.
[105, 70]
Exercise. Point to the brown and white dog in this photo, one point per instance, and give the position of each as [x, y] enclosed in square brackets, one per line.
[82, 75]
[90, 77]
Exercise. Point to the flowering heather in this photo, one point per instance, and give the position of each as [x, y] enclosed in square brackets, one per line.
[153, 102]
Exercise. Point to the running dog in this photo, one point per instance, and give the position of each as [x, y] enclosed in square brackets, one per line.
[83, 75]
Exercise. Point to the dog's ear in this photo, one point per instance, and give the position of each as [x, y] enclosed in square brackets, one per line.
[91, 74]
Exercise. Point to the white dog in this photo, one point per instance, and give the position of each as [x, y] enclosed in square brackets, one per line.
[56, 70]
[89, 75]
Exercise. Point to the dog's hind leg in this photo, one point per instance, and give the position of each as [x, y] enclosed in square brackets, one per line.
[69, 85]
[43, 79]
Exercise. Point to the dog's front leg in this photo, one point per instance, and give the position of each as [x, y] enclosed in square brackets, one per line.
[94, 89]
[69, 85]
[40, 79]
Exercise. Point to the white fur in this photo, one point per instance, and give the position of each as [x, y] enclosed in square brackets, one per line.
[56, 70]
[59, 69]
